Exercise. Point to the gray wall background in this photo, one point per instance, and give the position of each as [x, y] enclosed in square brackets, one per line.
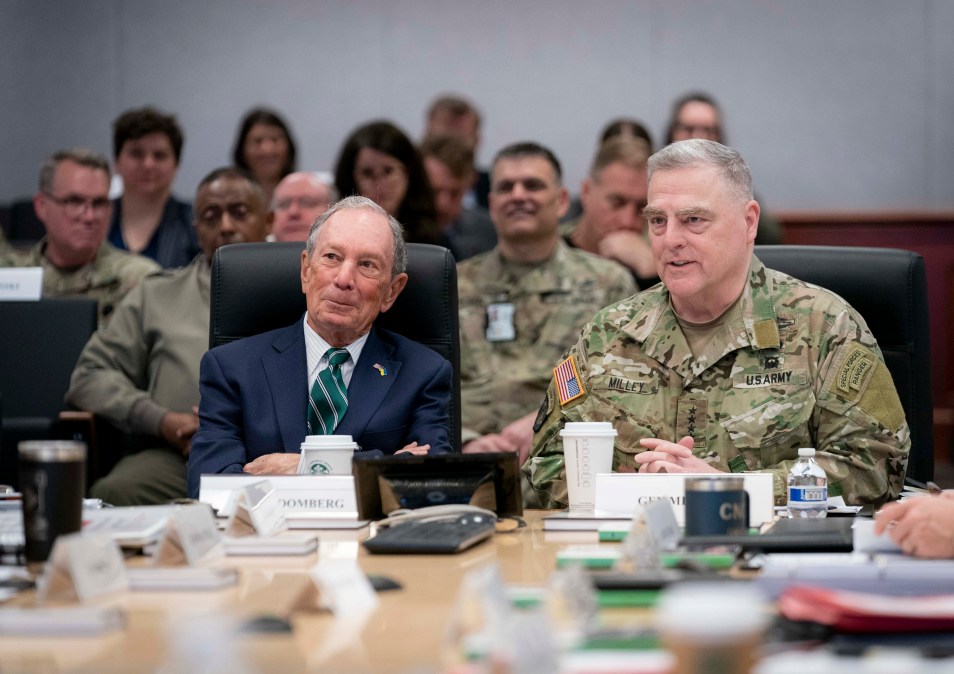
[836, 104]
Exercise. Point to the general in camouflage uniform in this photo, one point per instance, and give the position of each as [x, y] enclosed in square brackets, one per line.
[107, 278]
[794, 367]
[504, 380]
[783, 366]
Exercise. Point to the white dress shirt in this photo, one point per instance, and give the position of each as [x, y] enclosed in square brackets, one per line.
[315, 348]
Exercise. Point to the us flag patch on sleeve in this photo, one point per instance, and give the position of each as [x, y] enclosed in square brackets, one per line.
[568, 383]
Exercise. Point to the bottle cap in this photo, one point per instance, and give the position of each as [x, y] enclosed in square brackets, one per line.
[806, 451]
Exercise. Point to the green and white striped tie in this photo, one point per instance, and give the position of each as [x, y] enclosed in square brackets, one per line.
[329, 396]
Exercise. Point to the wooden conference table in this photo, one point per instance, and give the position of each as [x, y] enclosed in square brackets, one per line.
[174, 631]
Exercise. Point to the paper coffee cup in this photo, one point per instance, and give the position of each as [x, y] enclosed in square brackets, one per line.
[326, 455]
[587, 450]
[712, 627]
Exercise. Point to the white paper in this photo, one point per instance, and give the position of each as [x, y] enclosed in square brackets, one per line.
[344, 587]
[275, 545]
[865, 540]
[21, 284]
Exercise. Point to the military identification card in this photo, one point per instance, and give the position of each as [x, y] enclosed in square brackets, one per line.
[500, 326]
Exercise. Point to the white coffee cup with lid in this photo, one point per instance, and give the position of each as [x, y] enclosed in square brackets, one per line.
[326, 455]
[587, 450]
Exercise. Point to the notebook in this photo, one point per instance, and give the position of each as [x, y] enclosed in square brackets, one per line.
[132, 527]
[788, 535]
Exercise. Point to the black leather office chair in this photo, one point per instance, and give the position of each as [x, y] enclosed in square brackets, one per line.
[888, 287]
[39, 342]
[256, 287]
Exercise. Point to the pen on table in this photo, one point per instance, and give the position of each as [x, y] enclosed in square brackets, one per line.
[930, 487]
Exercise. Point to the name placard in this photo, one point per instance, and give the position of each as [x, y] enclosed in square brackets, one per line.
[191, 535]
[83, 566]
[321, 494]
[21, 284]
[620, 493]
[256, 511]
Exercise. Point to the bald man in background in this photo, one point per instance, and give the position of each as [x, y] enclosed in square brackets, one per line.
[297, 202]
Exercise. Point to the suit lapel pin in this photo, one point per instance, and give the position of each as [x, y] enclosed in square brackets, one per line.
[383, 371]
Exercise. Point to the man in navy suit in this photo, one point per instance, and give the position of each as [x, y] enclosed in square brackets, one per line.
[253, 414]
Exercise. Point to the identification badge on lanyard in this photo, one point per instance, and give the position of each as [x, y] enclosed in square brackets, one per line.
[500, 326]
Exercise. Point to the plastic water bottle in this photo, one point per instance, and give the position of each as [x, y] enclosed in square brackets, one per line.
[807, 487]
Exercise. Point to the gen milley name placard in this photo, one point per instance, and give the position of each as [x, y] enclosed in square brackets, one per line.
[622, 492]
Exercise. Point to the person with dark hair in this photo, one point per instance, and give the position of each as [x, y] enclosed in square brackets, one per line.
[453, 115]
[628, 128]
[147, 219]
[141, 373]
[379, 161]
[264, 148]
[523, 302]
[697, 115]
[73, 205]
[449, 161]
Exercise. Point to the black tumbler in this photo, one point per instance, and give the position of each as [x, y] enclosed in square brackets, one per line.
[52, 481]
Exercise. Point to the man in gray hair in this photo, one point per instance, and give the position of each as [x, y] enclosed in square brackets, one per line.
[727, 366]
[73, 205]
[333, 372]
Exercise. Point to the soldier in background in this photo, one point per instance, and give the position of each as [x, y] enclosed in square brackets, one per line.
[449, 162]
[727, 366]
[613, 195]
[141, 372]
[523, 302]
[73, 205]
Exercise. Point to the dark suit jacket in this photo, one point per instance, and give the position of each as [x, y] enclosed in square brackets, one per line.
[254, 400]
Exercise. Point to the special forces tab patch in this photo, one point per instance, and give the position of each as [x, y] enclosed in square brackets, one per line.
[855, 371]
[568, 383]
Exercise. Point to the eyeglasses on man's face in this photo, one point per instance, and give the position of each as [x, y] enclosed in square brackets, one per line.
[304, 203]
[75, 206]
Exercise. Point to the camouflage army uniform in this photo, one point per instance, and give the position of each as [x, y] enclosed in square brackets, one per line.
[108, 278]
[504, 380]
[793, 366]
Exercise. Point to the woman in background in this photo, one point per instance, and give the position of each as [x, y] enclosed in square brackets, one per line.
[147, 219]
[697, 115]
[379, 161]
[264, 149]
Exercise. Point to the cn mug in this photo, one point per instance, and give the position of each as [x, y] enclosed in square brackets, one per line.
[716, 505]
